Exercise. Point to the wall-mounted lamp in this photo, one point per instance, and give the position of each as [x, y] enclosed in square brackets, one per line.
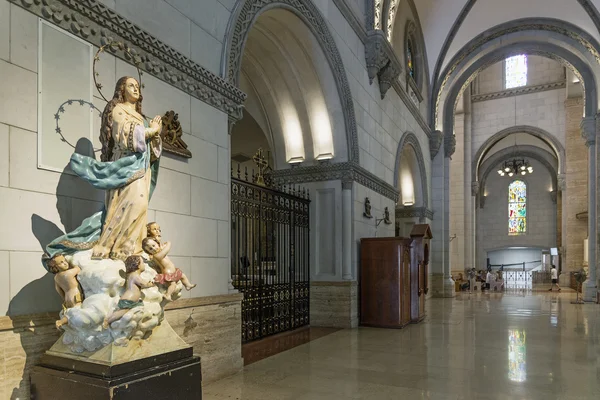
[296, 161]
[324, 157]
[576, 79]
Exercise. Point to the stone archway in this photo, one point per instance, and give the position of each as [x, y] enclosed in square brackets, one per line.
[243, 18]
[557, 147]
[570, 45]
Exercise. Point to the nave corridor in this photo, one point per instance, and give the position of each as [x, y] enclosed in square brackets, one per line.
[479, 346]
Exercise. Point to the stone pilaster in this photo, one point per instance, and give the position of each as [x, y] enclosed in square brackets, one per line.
[440, 281]
[576, 193]
[588, 132]
[347, 230]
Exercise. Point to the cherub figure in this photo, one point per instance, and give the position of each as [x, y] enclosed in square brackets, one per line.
[153, 231]
[66, 284]
[134, 266]
[169, 274]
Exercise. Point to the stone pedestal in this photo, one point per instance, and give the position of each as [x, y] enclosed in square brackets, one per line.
[161, 366]
[174, 375]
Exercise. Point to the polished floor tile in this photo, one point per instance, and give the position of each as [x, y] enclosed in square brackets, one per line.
[532, 345]
[269, 346]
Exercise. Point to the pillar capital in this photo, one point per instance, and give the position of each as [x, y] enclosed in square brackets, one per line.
[475, 188]
[449, 145]
[562, 182]
[435, 142]
[588, 130]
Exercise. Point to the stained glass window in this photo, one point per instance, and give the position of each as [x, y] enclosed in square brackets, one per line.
[517, 208]
[516, 71]
[409, 58]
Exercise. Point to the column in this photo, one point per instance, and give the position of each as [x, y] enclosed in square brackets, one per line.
[588, 132]
[563, 279]
[577, 186]
[469, 199]
[441, 283]
[347, 230]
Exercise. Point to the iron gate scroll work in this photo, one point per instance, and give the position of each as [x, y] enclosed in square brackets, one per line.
[270, 256]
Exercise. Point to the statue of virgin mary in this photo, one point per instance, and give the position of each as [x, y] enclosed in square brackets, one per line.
[128, 171]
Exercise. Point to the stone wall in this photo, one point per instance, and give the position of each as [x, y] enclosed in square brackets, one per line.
[40, 204]
[210, 324]
[334, 304]
[540, 70]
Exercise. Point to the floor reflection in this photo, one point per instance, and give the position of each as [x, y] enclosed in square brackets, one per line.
[460, 351]
[517, 356]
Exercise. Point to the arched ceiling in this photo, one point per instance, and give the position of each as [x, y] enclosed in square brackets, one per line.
[290, 94]
[439, 17]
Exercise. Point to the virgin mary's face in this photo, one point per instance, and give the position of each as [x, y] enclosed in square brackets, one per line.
[132, 91]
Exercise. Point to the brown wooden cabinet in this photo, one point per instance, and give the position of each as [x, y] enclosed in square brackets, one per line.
[385, 282]
[421, 236]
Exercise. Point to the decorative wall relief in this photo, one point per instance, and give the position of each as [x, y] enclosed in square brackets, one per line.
[367, 213]
[171, 135]
[386, 216]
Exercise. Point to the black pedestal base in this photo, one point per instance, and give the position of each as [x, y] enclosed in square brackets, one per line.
[175, 377]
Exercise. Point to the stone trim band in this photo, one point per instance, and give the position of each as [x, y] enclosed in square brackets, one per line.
[345, 171]
[412, 212]
[519, 91]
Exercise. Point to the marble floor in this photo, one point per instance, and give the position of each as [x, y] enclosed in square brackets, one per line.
[481, 346]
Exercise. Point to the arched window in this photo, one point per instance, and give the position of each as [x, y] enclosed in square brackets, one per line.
[515, 71]
[410, 61]
[517, 208]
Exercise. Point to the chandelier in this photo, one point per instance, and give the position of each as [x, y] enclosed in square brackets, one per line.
[515, 166]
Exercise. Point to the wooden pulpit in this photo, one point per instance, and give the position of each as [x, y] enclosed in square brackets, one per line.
[421, 236]
[385, 282]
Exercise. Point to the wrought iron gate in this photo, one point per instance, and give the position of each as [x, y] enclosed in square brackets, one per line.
[270, 257]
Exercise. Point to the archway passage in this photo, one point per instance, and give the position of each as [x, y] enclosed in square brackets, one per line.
[294, 114]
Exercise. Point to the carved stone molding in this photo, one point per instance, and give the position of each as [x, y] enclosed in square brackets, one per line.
[449, 145]
[345, 171]
[412, 212]
[387, 76]
[474, 188]
[99, 25]
[381, 61]
[518, 91]
[242, 19]
[375, 53]
[435, 142]
[588, 130]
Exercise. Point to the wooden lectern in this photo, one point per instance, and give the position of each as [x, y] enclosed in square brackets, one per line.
[421, 235]
[385, 288]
